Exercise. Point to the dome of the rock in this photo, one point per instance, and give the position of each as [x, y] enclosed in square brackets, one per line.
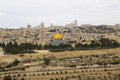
[58, 36]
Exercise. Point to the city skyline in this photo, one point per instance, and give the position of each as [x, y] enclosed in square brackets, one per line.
[18, 13]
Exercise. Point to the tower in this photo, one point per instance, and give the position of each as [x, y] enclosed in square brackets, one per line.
[75, 23]
[42, 28]
[51, 25]
[42, 32]
[28, 26]
[42, 25]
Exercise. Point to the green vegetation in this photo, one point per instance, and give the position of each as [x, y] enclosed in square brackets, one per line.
[14, 48]
[102, 43]
[7, 77]
[14, 63]
[46, 61]
[60, 47]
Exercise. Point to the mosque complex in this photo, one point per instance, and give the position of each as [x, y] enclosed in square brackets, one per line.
[58, 39]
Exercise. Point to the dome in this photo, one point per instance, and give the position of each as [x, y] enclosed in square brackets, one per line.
[58, 36]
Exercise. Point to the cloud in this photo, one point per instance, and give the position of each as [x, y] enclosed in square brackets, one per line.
[2, 13]
[15, 13]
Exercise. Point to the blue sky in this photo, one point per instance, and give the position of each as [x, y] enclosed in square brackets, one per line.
[18, 13]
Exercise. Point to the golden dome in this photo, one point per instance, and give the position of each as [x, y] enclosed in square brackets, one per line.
[58, 36]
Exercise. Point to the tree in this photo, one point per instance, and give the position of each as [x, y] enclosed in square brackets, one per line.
[105, 42]
[94, 44]
[79, 45]
[46, 61]
[39, 47]
[22, 78]
[2, 45]
[7, 77]
[16, 62]
[115, 43]
[47, 46]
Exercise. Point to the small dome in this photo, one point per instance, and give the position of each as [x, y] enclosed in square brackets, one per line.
[58, 36]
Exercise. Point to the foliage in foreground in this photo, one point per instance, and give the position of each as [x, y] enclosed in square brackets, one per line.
[14, 48]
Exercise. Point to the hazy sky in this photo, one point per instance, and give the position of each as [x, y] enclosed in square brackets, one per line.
[17, 13]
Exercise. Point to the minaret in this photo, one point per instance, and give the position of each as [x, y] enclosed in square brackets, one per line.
[42, 30]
